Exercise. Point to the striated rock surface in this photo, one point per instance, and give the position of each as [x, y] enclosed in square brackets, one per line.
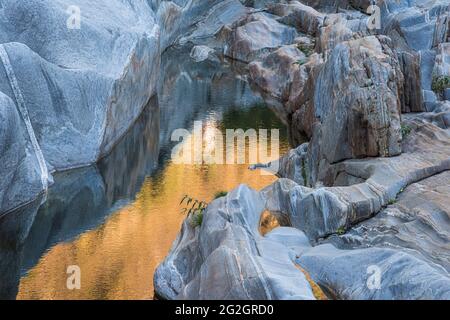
[20, 172]
[79, 84]
[227, 258]
[363, 122]
[255, 35]
[77, 90]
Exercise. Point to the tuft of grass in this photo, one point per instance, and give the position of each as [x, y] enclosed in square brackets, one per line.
[301, 61]
[220, 194]
[440, 83]
[405, 130]
[194, 210]
[340, 231]
[197, 219]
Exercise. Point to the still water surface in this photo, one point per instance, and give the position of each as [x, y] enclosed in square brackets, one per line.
[117, 220]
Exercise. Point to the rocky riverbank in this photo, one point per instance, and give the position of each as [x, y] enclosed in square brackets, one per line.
[366, 196]
[363, 202]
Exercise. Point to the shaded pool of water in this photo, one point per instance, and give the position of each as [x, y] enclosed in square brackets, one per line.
[117, 220]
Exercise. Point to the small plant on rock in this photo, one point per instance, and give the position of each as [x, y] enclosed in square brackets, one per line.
[405, 130]
[340, 231]
[220, 194]
[307, 50]
[194, 210]
[440, 83]
[301, 62]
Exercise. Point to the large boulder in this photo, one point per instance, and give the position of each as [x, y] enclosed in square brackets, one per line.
[284, 72]
[199, 22]
[363, 122]
[21, 175]
[256, 35]
[78, 89]
[304, 18]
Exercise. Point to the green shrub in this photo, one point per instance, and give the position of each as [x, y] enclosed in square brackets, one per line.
[340, 231]
[197, 219]
[440, 83]
[307, 50]
[220, 194]
[301, 61]
[194, 210]
[405, 130]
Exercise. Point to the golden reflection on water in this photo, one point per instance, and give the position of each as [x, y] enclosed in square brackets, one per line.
[118, 259]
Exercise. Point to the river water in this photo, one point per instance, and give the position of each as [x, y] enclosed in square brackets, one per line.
[116, 220]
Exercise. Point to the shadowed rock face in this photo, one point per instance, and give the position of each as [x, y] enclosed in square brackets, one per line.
[365, 121]
[83, 88]
[14, 230]
[20, 171]
[79, 200]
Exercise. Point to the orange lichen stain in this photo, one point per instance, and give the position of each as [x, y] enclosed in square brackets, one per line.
[267, 223]
[317, 291]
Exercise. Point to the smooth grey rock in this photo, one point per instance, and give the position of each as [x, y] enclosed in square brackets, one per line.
[421, 209]
[442, 65]
[358, 189]
[363, 122]
[195, 21]
[200, 53]
[349, 274]
[227, 258]
[294, 165]
[429, 100]
[427, 60]
[82, 88]
[20, 173]
[255, 35]
[304, 18]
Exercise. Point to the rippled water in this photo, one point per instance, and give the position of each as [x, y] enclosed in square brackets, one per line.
[117, 220]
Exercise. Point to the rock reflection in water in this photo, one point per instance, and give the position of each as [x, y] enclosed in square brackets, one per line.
[89, 219]
[78, 201]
